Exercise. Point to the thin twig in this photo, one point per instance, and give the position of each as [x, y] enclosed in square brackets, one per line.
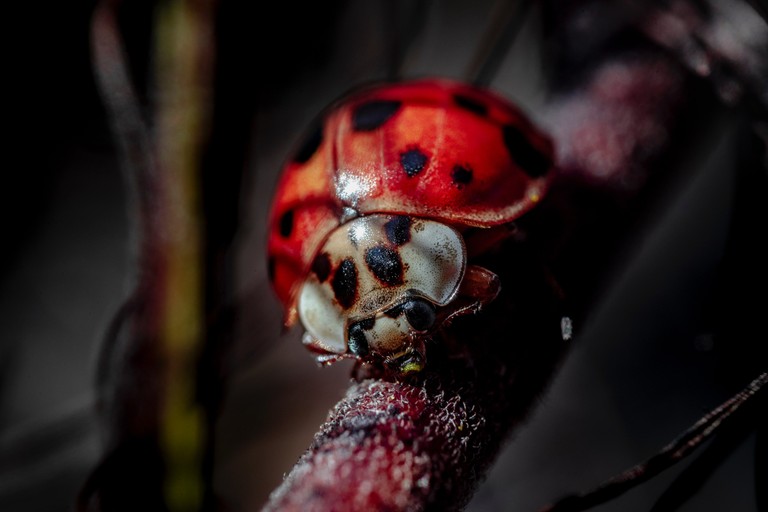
[124, 112]
[690, 480]
[506, 21]
[184, 61]
[404, 23]
[672, 453]
[155, 425]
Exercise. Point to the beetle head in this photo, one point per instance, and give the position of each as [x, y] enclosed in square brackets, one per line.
[376, 286]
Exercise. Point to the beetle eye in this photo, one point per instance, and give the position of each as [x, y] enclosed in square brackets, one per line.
[356, 340]
[420, 314]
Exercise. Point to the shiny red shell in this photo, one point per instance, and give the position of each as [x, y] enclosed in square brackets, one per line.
[435, 149]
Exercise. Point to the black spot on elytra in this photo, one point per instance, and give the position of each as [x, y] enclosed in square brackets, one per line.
[309, 145]
[373, 114]
[286, 224]
[413, 161]
[470, 104]
[271, 268]
[321, 266]
[344, 283]
[528, 158]
[356, 340]
[461, 176]
[385, 264]
[398, 230]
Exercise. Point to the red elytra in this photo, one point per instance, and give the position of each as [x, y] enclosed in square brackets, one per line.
[432, 148]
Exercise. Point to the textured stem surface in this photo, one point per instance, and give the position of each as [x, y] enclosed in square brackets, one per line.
[427, 440]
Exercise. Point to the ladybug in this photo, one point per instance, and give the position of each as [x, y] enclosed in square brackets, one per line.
[379, 213]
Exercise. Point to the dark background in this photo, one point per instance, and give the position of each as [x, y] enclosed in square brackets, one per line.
[651, 359]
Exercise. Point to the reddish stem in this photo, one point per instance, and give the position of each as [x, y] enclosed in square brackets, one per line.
[427, 440]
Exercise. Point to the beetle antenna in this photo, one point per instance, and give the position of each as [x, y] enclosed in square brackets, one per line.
[672, 453]
[506, 21]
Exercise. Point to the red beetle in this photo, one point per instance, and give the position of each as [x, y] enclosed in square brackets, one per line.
[380, 209]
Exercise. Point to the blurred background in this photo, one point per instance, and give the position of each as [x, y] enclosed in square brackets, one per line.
[652, 358]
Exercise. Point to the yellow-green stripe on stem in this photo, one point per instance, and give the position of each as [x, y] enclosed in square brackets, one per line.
[183, 50]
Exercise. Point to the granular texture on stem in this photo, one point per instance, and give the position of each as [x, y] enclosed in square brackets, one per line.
[425, 442]
[387, 444]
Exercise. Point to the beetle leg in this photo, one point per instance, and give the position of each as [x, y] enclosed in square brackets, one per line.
[479, 284]
[321, 353]
[478, 288]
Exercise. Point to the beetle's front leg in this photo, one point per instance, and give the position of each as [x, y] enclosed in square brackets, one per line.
[479, 287]
[322, 354]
